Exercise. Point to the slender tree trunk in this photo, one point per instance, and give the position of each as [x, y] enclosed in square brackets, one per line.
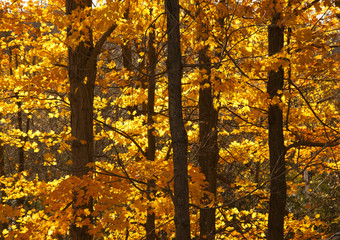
[127, 63]
[208, 147]
[82, 71]
[3, 225]
[126, 47]
[208, 150]
[151, 152]
[306, 179]
[22, 159]
[127, 56]
[277, 201]
[2, 159]
[178, 133]
[21, 154]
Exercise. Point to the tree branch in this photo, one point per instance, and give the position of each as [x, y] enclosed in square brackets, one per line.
[306, 143]
[310, 107]
[98, 47]
[124, 134]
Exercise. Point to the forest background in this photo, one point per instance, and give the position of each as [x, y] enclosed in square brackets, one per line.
[153, 120]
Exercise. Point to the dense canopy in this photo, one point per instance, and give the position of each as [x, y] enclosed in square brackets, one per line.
[194, 119]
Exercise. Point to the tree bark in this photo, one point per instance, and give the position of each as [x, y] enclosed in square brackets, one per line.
[3, 225]
[208, 148]
[21, 153]
[178, 133]
[277, 200]
[151, 151]
[82, 71]
[2, 159]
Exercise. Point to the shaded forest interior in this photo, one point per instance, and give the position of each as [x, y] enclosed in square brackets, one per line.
[157, 120]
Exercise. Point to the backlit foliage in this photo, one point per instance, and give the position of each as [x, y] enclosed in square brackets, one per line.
[37, 203]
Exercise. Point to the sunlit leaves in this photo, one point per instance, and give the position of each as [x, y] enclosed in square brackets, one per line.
[33, 83]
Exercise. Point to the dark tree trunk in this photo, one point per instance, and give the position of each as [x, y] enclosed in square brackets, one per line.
[81, 100]
[151, 152]
[21, 154]
[127, 63]
[178, 133]
[2, 159]
[277, 201]
[127, 56]
[208, 148]
[82, 71]
[22, 159]
[126, 47]
[3, 225]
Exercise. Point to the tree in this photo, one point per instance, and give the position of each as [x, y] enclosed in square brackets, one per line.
[277, 200]
[151, 149]
[82, 69]
[82, 76]
[226, 86]
[208, 146]
[2, 174]
[177, 129]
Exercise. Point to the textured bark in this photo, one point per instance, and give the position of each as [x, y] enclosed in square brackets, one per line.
[151, 152]
[82, 74]
[2, 193]
[127, 63]
[127, 56]
[178, 133]
[2, 159]
[21, 153]
[126, 47]
[208, 148]
[277, 200]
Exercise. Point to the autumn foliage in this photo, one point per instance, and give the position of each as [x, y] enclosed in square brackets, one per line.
[50, 188]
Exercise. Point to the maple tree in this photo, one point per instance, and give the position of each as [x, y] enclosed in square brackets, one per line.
[178, 133]
[278, 188]
[159, 119]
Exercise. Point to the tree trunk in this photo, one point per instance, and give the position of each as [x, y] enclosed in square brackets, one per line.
[151, 152]
[208, 148]
[3, 225]
[2, 159]
[82, 71]
[23, 139]
[277, 201]
[127, 63]
[178, 133]
[21, 154]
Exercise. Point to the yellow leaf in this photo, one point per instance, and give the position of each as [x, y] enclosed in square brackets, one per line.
[86, 212]
[206, 85]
